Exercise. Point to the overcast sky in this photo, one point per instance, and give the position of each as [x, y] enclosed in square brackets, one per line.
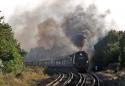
[116, 7]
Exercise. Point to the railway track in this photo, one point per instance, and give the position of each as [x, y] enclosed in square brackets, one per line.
[69, 79]
[96, 80]
[75, 79]
[92, 80]
[82, 80]
[62, 80]
[56, 81]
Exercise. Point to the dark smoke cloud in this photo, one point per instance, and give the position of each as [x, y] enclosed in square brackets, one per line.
[84, 27]
[59, 28]
[50, 34]
[26, 23]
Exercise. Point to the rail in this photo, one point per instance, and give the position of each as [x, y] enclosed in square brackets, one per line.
[79, 79]
[70, 77]
[96, 81]
[54, 81]
[83, 80]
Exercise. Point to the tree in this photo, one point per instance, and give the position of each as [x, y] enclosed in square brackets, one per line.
[122, 48]
[107, 50]
[110, 50]
[9, 53]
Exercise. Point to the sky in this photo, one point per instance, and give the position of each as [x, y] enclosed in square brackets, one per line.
[116, 8]
[9, 6]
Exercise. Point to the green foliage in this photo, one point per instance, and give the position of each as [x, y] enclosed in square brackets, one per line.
[9, 53]
[122, 48]
[110, 49]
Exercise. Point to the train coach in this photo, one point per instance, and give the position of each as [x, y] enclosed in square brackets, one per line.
[78, 60]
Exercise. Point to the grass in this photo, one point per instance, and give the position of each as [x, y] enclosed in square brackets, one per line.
[22, 79]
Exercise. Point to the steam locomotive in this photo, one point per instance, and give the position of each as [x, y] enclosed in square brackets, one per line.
[80, 61]
[77, 60]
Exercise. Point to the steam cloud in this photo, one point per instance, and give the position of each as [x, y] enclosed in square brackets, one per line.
[63, 26]
[85, 27]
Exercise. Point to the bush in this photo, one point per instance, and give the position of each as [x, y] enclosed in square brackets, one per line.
[9, 52]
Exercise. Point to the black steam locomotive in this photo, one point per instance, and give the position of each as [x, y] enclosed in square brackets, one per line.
[80, 61]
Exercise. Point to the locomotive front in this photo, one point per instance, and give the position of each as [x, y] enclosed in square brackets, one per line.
[81, 61]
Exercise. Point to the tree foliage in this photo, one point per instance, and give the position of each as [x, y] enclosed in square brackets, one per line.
[110, 49]
[9, 53]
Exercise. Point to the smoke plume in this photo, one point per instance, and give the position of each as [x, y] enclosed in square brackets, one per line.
[26, 23]
[63, 26]
[84, 27]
